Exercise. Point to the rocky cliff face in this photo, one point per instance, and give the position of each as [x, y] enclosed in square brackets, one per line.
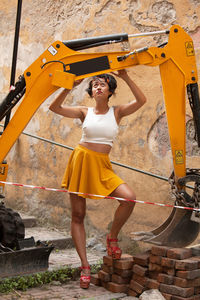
[143, 141]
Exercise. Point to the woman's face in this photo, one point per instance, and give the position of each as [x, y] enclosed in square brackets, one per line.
[100, 88]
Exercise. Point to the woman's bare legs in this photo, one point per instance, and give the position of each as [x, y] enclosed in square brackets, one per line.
[123, 211]
[78, 208]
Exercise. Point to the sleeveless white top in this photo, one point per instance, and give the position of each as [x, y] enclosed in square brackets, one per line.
[99, 128]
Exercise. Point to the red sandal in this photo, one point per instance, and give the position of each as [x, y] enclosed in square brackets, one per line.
[85, 279]
[113, 251]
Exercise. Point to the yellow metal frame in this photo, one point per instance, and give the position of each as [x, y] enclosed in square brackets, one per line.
[177, 69]
[3, 175]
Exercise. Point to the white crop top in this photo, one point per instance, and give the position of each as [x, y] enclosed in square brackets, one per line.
[99, 128]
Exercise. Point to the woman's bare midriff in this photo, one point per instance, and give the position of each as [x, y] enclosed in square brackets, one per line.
[103, 148]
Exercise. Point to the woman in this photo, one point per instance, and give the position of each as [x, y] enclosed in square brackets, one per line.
[89, 170]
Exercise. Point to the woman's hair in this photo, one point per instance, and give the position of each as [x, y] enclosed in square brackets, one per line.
[111, 81]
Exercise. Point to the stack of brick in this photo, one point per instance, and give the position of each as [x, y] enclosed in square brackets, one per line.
[115, 275]
[140, 276]
[174, 272]
[180, 273]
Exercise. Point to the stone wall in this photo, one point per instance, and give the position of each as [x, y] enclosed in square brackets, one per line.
[143, 139]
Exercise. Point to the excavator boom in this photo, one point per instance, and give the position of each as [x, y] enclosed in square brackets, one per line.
[62, 63]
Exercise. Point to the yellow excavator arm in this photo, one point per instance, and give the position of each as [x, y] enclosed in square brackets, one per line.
[63, 63]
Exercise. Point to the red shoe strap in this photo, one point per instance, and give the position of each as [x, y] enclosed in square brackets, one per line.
[112, 240]
[85, 277]
[114, 249]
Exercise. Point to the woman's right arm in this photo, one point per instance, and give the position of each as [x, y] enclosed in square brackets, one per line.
[67, 111]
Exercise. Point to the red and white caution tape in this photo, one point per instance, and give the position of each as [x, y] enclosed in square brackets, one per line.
[94, 195]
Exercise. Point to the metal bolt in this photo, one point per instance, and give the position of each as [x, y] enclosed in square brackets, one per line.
[50, 74]
[163, 55]
[58, 46]
[111, 61]
[176, 30]
[28, 74]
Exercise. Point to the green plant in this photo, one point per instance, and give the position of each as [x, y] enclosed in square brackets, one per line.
[29, 281]
[95, 268]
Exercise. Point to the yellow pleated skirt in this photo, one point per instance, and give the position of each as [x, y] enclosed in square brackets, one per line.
[90, 172]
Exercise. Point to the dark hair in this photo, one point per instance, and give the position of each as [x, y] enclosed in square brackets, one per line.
[111, 81]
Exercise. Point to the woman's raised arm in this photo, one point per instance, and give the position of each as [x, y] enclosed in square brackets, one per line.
[65, 110]
[140, 99]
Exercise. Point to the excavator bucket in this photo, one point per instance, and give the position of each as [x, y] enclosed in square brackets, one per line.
[177, 231]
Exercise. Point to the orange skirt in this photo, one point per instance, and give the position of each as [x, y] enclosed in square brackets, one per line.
[90, 172]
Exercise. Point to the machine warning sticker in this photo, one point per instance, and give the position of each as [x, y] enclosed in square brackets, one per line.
[2, 170]
[179, 157]
[52, 50]
[189, 48]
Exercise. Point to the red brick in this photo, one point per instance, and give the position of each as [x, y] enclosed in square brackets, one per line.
[118, 279]
[105, 277]
[168, 262]
[164, 278]
[124, 263]
[188, 274]
[186, 264]
[139, 270]
[152, 284]
[155, 267]
[142, 259]
[132, 293]
[196, 258]
[107, 269]
[175, 290]
[179, 253]
[107, 260]
[169, 271]
[196, 282]
[197, 297]
[95, 279]
[182, 282]
[159, 250]
[126, 256]
[117, 288]
[140, 279]
[155, 259]
[167, 296]
[153, 274]
[123, 273]
[104, 284]
[197, 290]
[137, 287]
[186, 282]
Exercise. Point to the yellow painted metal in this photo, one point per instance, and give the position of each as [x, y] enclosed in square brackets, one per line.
[177, 68]
[174, 95]
[63, 79]
[3, 175]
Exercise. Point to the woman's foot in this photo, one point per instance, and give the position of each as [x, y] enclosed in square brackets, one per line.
[112, 247]
[85, 277]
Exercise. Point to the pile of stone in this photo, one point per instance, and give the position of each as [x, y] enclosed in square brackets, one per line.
[175, 272]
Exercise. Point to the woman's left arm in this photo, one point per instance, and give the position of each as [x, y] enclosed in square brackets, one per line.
[140, 99]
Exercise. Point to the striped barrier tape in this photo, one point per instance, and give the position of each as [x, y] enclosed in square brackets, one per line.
[94, 195]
